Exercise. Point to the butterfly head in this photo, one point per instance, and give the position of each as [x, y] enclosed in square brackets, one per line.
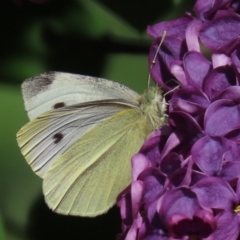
[154, 94]
[153, 105]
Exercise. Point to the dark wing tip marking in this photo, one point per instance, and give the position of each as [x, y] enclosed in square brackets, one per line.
[32, 86]
[59, 105]
[57, 137]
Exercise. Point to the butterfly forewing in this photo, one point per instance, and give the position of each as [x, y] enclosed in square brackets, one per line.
[43, 139]
[56, 89]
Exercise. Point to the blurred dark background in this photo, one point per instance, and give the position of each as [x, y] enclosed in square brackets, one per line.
[101, 38]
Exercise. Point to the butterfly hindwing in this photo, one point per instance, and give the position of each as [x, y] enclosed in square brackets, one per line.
[87, 178]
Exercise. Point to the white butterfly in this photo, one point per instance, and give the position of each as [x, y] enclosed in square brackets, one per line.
[82, 135]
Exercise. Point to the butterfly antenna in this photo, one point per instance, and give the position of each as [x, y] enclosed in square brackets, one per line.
[173, 80]
[154, 59]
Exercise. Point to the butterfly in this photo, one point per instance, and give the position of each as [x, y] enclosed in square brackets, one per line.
[81, 136]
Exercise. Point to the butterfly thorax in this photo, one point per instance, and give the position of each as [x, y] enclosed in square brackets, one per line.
[153, 106]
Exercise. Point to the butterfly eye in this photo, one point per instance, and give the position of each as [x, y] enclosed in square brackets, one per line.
[58, 137]
[151, 95]
[59, 105]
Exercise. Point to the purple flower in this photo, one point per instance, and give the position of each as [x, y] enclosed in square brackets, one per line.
[186, 177]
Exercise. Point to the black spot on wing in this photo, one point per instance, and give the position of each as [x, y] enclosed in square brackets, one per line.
[58, 137]
[59, 105]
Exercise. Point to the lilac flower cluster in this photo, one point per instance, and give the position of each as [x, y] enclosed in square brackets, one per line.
[186, 177]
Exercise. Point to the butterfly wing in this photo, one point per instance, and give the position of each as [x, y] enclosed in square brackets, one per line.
[57, 89]
[87, 178]
[81, 139]
[45, 138]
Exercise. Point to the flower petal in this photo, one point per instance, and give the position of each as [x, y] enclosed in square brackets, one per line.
[230, 171]
[154, 183]
[154, 145]
[188, 130]
[139, 163]
[221, 117]
[208, 154]
[175, 28]
[221, 31]
[192, 35]
[219, 79]
[202, 224]
[213, 192]
[196, 67]
[206, 8]
[232, 92]
[227, 226]
[189, 100]
[181, 201]
[170, 163]
[219, 60]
